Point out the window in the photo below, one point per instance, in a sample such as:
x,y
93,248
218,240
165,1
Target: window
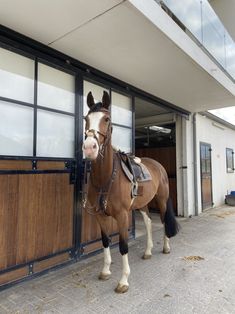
x,y
16,129
16,76
55,130
122,122
44,124
122,138
55,89
229,160
121,109
55,135
205,155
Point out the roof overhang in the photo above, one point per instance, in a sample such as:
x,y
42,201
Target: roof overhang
x,y
136,43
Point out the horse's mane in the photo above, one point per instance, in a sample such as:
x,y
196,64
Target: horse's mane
x,y
97,107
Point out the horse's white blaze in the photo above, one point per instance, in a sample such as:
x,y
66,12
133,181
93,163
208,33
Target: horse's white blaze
x,y
148,225
125,271
94,120
166,244
90,145
107,261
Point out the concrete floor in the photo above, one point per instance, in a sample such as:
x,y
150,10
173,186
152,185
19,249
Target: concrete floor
x,y
197,277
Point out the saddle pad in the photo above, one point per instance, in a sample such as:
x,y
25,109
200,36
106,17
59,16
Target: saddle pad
x,y
143,173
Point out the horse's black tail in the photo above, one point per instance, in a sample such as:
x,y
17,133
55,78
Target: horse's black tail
x,y
171,225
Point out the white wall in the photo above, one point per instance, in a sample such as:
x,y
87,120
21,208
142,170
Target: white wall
x,y
220,137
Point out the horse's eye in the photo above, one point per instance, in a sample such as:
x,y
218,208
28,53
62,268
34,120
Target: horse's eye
x,y
107,119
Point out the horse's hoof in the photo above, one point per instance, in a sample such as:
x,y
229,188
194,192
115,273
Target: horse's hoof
x,y
121,288
103,276
146,256
166,251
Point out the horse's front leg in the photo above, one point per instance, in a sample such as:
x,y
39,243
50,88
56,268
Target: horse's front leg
x,y
123,223
105,274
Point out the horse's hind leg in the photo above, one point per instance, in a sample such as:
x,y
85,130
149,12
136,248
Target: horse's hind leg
x,y
171,226
166,245
148,224
103,222
162,205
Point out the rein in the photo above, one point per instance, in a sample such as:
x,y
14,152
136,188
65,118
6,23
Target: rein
x,y
103,192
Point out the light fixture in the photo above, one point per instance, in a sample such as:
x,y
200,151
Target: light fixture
x,y
159,129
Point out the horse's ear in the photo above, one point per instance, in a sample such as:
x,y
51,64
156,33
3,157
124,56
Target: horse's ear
x,y
90,100
106,100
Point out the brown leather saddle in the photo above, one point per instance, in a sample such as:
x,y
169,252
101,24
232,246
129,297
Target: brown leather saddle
x,y
136,172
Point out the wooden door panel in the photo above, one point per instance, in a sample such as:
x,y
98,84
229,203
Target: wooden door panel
x,y
167,157
15,165
36,216
206,187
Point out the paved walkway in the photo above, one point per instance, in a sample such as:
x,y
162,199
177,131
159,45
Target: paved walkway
x,y
197,277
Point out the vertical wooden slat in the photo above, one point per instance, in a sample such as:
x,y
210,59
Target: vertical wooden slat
x,y
8,219
27,217
48,204
64,211
12,218
3,220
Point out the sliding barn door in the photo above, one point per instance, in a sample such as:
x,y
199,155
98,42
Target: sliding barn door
x,y
37,165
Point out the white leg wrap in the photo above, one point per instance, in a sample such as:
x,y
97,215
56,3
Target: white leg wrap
x,y
166,244
107,261
125,271
148,225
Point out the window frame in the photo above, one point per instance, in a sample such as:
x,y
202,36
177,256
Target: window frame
x,y
110,88
132,127
229,158
34,105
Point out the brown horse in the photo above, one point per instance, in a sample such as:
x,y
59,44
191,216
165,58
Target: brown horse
x,y
109,191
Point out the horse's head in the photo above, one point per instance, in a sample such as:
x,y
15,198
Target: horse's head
x,y
98,126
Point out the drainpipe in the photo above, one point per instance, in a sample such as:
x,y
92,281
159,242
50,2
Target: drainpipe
x,y
184,167
195,163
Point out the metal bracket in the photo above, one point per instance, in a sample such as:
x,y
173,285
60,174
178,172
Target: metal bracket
x,y
30,269
73,174
34,164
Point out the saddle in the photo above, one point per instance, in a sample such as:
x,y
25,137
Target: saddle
x,y
135,171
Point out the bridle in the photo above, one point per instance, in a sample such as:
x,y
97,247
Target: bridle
x,y
103,192
107,136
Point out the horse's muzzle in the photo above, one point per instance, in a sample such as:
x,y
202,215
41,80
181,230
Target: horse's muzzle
x,y
90,148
